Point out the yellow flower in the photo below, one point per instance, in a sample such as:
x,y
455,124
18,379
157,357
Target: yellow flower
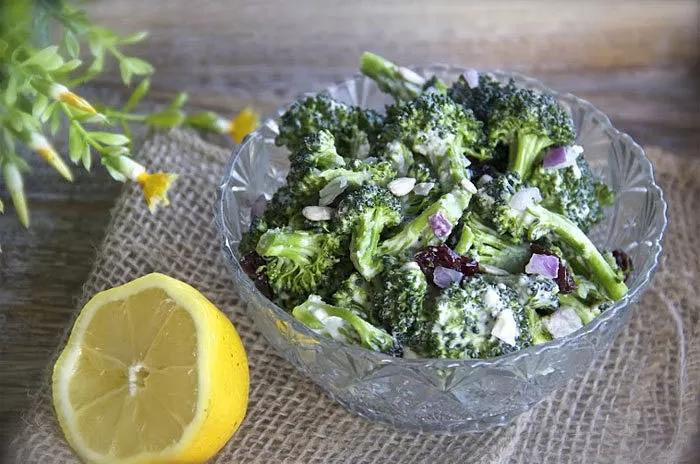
x,y
155,186
241,125
62,94
39,144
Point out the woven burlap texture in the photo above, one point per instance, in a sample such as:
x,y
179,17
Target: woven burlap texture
x,y
637,404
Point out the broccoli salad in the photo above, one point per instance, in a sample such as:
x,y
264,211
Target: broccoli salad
x,y
451,226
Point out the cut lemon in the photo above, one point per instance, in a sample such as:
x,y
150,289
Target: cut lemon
x,y
152,373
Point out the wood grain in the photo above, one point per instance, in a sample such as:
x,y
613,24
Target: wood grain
x,y
636,60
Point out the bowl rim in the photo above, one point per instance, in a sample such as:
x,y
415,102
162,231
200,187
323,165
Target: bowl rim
x,y
231,254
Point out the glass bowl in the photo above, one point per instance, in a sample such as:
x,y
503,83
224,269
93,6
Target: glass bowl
x,y
449,395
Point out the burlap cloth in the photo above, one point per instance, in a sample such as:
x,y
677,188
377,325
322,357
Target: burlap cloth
x,y
638,404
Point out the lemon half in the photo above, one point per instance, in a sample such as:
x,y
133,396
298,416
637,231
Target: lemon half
x,y
152,372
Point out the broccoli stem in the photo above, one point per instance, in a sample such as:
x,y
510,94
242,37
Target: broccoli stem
x,y
299,247
365,241
466,239
524,153
492,249
314,312
570,234
538,331
401,83
584,312
418,232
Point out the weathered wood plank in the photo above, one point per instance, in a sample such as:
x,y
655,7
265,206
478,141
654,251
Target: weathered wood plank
x,y
632,59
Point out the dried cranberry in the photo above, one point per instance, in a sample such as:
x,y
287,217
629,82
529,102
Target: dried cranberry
x,y
564,279
624,262
433,256
250,264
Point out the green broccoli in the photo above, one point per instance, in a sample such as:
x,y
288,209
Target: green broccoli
x,y
365,213
574,192
399,82
298,263
278,213
528,122
488,247
436,127
516,211
398,300
537,328
479,319
419,232
353,128
343,325
354,294
480,99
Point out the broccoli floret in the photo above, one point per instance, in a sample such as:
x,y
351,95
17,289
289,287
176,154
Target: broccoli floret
x,y
398,301
353,128
298,263
488,247
574,192
418,232
318,175
436,127
399,82
536,292
427,189
365,213
479,99
528,122
354,294
400,157
464,320
279,212
343,325
523,216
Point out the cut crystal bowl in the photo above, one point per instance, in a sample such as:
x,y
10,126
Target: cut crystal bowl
x,y
450,395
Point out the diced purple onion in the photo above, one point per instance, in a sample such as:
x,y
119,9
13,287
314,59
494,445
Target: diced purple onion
x,y
545,265
472,77
440,225
257,209
555,157
444,277
562,157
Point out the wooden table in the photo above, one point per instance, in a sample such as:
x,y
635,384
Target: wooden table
x,y
637,61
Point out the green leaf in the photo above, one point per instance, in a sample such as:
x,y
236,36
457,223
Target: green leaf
x,y
40,104
109,138
75,144
2,208
138,66
115,151
96,66
178,101
139,92
11,90
69,66
86,156
70,42
48,58
126,129
111,163
167,118
133,38
48,112
55,122
125,71
9,141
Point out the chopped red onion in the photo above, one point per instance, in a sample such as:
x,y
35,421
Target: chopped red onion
x,y
545,265
440,225
472,77
444,277
562,157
